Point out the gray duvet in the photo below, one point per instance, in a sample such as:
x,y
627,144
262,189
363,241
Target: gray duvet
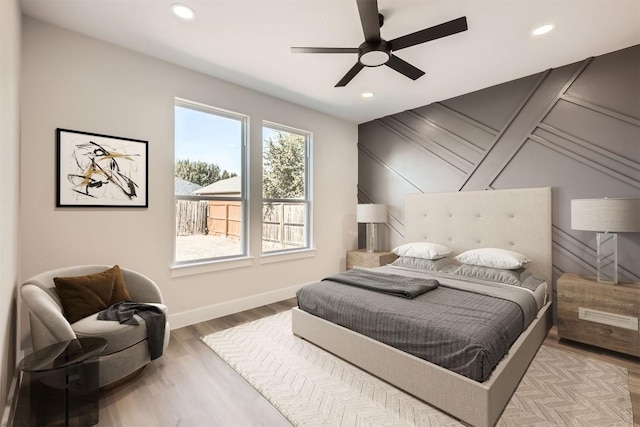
x,y
463,326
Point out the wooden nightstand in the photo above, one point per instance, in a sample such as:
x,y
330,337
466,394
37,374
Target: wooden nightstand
x,y
600,314
363,259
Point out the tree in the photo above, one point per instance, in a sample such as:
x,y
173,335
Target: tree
x,y
201,173
283,166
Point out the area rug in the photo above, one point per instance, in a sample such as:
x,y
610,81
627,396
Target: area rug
x,y
312,387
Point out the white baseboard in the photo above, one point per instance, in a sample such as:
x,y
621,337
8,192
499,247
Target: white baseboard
x,y
202,314
8,412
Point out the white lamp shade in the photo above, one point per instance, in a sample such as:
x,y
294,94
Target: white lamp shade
x,y
606,215
371,213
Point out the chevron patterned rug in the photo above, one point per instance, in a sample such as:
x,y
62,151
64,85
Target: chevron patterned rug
x,y
311,387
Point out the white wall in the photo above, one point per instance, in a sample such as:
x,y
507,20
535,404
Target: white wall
x,y
9,189
75,82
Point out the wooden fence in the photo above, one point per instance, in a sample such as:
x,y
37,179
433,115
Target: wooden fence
x,y
283,224
191,217
225,218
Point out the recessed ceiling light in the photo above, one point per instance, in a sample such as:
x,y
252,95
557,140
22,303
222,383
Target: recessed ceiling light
x,y
182,11
367,94
544,29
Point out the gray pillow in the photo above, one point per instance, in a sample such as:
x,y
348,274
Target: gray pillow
x,y
441,264
509,277
532,282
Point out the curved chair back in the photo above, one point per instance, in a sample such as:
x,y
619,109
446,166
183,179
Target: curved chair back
x,y
48,324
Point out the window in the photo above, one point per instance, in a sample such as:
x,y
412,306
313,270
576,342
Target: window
x,y
285,188
210,188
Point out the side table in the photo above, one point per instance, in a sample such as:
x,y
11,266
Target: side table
x,y
62,381
599,314
362,259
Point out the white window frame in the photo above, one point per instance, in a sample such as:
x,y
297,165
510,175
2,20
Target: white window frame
x,y
308,186
244,199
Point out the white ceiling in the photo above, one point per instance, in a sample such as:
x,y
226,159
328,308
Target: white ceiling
x,y
247,42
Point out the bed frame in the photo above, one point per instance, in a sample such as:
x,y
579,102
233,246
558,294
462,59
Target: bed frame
x,y
518,220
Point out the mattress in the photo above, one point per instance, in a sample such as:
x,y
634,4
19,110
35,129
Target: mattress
x,y
464,325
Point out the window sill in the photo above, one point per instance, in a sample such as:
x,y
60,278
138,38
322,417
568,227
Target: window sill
x,y
181,270
287,256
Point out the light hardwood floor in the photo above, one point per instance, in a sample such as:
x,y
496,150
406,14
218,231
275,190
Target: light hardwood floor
x,y
191,386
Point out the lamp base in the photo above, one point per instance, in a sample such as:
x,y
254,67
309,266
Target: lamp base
x,y
607,257
372,237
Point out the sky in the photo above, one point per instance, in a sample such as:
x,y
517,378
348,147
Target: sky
x,y
210,138
207,137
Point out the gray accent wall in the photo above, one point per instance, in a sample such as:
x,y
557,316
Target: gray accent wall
x,y
575,128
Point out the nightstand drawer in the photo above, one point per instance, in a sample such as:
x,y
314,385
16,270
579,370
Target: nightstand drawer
x,y
606,336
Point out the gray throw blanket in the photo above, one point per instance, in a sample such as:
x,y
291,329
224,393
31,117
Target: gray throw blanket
x,y
390,284
153,317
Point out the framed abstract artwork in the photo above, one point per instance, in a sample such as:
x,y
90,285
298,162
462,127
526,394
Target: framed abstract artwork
x,y
96,170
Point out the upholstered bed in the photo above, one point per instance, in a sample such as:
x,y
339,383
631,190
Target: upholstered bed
x,y
517,220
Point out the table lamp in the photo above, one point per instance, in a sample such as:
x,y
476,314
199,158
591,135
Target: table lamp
x,y
607,217
372,214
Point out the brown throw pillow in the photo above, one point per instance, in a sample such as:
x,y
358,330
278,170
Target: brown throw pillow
x,y
82,296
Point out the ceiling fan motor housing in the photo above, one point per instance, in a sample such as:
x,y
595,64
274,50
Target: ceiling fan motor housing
x,y
374,54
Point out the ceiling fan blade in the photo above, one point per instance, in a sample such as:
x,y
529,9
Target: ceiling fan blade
x,y
443,30
324,50
350,74
404,67
368,10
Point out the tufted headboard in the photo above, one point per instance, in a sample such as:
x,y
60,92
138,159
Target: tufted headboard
x,y
518,220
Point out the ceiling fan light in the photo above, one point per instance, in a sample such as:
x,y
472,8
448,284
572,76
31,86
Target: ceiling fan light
x,y
374,58
367,95
543,29
183,12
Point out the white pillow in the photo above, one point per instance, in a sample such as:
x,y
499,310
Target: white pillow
x,y
424,250
494,258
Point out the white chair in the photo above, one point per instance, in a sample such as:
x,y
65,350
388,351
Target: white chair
x,y
127,350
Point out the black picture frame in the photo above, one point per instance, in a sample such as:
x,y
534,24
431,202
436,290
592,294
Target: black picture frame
x,y
95,170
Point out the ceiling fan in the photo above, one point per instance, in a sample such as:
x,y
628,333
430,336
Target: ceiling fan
x,y
376,51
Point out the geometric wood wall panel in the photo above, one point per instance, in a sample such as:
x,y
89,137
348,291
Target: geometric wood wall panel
x,y
503,100
540,165
467,131
600,84
612,135
575,128
459,152
406,156
527,115
384,184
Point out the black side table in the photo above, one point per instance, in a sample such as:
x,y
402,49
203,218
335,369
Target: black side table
x,y
63,382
